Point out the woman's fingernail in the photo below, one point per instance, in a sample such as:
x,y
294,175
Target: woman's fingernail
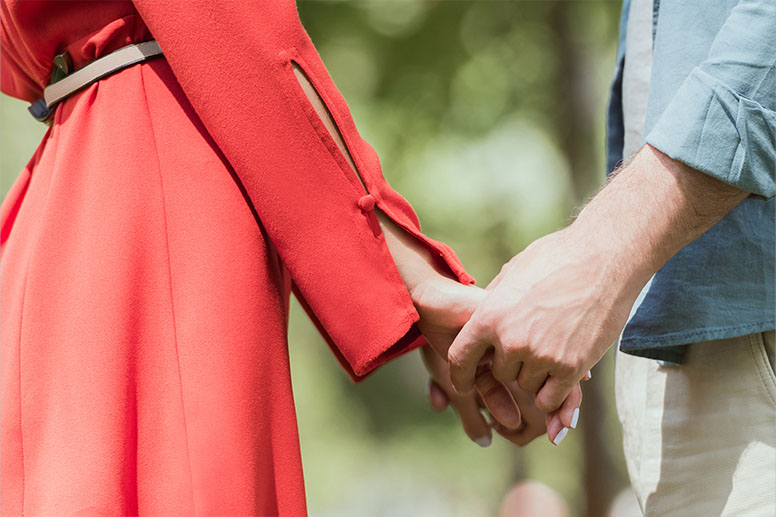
x,y
574,419
484,441
560,436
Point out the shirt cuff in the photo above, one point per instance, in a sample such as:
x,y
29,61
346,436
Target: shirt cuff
x,y
713,129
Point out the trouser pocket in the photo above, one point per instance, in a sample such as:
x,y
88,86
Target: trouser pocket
x,y
763,347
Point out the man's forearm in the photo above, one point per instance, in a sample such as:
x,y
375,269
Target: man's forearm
x,y
648,212
561,302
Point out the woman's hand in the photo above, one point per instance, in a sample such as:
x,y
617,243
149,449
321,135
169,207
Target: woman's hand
x,y
441,394
444,307
533,422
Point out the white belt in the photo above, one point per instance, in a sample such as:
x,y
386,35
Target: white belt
x,y
94,71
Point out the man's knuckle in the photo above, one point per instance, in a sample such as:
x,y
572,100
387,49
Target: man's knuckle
x,y
564,368
540,357
524,384
454,359
561,365
501,374
487,321
514,345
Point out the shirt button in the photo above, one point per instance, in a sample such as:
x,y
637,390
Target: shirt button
x,y
367,203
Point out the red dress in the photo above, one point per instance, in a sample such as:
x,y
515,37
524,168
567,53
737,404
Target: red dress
x,y
143,306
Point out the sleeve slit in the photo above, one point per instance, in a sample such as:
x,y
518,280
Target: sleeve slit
x,y
326,118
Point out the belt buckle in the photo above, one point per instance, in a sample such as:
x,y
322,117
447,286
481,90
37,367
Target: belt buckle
x,y
63,65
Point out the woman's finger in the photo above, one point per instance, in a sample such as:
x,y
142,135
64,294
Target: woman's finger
x,y
498,400
556,431
437,396
533,422
521,436
565,418
569,410
441,394
473,422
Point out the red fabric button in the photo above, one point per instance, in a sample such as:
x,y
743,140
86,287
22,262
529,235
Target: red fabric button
x,y
367,203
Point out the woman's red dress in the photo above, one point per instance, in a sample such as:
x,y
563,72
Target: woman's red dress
x,y
143,309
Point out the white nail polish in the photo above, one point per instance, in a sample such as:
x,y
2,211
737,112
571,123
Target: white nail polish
x,y
574,419
484,441
560,436
589,374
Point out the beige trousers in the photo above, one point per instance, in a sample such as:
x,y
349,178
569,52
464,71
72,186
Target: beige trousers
x,y
700,438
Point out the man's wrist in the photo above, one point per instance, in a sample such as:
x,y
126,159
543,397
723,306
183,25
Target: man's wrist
x,y
650,210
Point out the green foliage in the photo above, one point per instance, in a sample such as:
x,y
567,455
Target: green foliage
x,y
19,136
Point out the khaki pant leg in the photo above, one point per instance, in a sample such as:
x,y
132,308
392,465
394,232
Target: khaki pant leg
x,y
700,438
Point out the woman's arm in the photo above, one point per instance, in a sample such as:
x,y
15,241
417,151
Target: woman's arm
x,y
444,305
238,75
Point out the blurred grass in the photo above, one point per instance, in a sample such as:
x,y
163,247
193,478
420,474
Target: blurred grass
x,y
460,100
19,137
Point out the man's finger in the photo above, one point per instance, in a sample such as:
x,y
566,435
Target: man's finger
x,y
498,400
464,355
505,368
553,393
531,379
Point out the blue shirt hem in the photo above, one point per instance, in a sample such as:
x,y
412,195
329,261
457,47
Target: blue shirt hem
x,y
670,346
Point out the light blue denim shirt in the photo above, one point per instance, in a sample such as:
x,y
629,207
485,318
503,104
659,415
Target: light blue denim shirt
x,y
712,105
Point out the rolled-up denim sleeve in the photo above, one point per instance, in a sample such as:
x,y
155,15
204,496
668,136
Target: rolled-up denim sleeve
x,y
722,119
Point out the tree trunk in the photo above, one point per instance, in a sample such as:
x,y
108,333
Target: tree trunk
x,y
574,126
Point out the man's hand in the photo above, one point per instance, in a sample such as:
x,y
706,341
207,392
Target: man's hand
x,y
444,307
550,317
533,422
557,306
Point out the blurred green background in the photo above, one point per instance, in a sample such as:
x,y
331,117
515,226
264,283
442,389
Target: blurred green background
x,y
488,117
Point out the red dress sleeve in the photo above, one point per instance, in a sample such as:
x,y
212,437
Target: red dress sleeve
x,y
234,61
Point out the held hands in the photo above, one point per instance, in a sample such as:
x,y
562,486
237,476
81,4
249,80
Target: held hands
x,y
556,307
533,422
445,306
467,406
549,316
